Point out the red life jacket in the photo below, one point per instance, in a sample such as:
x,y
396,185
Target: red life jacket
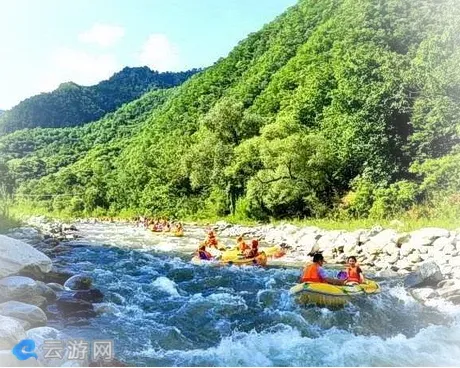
x,y
311,274
353,274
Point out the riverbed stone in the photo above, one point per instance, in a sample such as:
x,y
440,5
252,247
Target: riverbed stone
x,y
377,243
440,243
347,243
17,256
92,295
79,282
22,289
428,235
414,257
27,312
71,307
308,243
11,332
8,359
428,273
423,294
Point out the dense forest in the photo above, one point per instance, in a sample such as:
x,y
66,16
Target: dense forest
x,y
73,105
337,108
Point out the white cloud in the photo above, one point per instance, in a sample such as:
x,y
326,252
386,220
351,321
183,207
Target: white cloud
x,y
78,66
160,54
103,35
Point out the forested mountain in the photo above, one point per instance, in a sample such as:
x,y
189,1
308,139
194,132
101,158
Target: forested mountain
x,y
336,108
72,104
1,112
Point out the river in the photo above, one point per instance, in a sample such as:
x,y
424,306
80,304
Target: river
x,y
163,311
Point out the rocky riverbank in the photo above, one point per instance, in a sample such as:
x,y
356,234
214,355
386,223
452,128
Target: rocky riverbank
x,y
33,291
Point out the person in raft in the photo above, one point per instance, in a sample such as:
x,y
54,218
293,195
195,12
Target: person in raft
x,y
211,240
354,274
314,272
254,251
203,253
241,244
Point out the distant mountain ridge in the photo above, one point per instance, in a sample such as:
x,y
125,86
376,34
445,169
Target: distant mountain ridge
x,y
72,105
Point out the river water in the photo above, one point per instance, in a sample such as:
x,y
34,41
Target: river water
x,y
164,311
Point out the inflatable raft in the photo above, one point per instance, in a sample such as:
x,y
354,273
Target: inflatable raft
x,y
234,253
260,260
331,295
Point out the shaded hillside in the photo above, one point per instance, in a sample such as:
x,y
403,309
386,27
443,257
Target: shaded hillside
x,y
72,104
337,107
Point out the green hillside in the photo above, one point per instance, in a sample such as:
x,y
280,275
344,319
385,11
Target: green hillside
x,y
73,105
343,108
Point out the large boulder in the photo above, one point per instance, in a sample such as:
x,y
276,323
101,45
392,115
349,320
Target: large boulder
x,y
428,273
23,289
71,307
93,295
26,312
42,334
347,243
308,243
377,243
427,235
11,332
17,256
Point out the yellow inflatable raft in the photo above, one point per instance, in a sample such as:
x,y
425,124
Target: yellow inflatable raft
x,y
331,295
234,253
260,260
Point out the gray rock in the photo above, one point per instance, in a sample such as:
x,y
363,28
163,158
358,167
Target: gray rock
x,y
26,312
7,359
71,307
447,283
17,256
308,243
79,282
423,294
40,335
455,299
25,325
449,291
403,264
408,248
427,235
402,238
428,273
19,288
440,243
11,332
386,273
347,243
56,287
414,257
454,261
377,243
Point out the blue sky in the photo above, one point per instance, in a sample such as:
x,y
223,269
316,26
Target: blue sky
x,y
46,42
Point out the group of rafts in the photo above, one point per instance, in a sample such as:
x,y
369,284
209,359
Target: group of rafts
x,y
314,287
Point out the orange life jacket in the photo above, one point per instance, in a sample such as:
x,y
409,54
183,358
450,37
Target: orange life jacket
x,y
311,274
353,274
242,246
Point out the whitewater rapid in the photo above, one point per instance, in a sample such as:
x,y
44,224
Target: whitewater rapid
x,y
162,311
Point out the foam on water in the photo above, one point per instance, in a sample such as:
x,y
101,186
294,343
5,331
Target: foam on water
x,y
165,284
432,346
